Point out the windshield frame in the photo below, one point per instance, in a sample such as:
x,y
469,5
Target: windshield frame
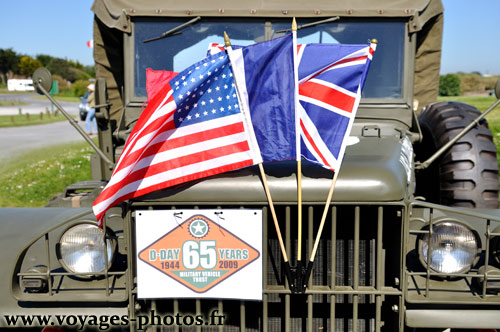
x,y
407,69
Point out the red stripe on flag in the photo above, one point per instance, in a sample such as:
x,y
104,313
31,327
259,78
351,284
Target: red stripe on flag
x,y
327,95
175,163
153,105
314,146
176,181
140,130
299,47
173,143
131,157
340,62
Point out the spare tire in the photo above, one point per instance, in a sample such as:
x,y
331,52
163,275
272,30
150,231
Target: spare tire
x,y
467,174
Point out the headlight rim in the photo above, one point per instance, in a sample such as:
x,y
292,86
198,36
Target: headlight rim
x,y
495,247
110,236
438,221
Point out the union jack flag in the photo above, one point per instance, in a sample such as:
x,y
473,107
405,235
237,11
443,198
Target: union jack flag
x,y
331,77
214,48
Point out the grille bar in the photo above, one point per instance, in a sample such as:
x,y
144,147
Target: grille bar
x,y
380,269
333,279
487,257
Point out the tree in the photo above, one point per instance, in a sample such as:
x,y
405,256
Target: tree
x,y
9,61
61,67
449,85
44,59
28,65
90,70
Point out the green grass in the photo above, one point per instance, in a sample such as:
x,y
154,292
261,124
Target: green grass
x,y
5,91
12,103
70,99
62,97
479,102
32,119
33,179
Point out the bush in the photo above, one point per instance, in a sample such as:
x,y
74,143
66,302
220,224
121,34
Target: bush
x,y
80,87
28,65
490,82
449,85
471,83
63,84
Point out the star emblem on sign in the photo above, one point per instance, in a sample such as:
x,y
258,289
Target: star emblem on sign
x,y
198,228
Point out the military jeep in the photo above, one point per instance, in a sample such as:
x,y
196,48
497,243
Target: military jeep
x,y
407,244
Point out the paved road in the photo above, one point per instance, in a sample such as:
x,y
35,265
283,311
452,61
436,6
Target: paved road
x,y
34,105
16,141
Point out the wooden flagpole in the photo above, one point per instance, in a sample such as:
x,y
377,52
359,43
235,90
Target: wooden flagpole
x,y
299,166
227,43
320,229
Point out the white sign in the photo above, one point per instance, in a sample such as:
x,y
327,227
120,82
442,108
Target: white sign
x,y
199,254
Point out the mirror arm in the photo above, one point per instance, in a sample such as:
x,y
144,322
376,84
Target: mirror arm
x,y
464,131
75,125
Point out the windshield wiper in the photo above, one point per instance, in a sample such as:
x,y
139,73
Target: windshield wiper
x,y
331,19
174,31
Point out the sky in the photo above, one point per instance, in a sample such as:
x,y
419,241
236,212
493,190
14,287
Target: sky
x,y
61,28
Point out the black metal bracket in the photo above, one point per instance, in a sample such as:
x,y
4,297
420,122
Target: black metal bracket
x,y
298,276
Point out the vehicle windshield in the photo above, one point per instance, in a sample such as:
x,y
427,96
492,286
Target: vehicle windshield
x,y
177,52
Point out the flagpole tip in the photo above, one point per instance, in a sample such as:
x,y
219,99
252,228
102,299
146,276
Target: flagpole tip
x,y
227,41
294,25
374,41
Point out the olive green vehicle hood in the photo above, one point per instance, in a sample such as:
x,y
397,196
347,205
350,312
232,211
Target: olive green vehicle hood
x,y
374,170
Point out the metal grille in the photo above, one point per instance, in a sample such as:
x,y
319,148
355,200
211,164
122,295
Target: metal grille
x,y
351,287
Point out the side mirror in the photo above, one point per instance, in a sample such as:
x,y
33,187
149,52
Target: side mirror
x,y
42,78
497,89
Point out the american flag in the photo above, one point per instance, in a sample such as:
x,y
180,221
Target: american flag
x,y
331,77
192,128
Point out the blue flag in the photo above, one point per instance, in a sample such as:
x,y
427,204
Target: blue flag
x,y
268,90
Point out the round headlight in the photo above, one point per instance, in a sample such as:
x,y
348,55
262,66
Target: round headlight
x,y
81,249
453,248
